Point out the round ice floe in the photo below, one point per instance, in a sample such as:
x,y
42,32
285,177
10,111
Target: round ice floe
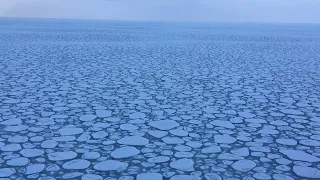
x,y
185,177
146,150
292,111
46,122
167,152
48,144
210,110
149,176
297,126
236,120
243,165
91,155
112,119
255,121
179,132
76,164
315,119
84,137
262,176
225,124
61,156
128,127
64,138
268,131
158,134
16,128
238,101
254,125
46,178
11,122
279,123
212,176
233,112
133,140
125,152
158,159
6,172
183,164
20,161
194,122
224,139
241,151
182,148
72,175
282,177
260,148
88,117
283,168
228,156
283,161
194,144
11,147
137,115
186,117
46,114
99,135
211,149
37,138
103,113
11,101
77,105
35,168
137,121
194,135
69,131
59,109
288,142
299,155
246,114
307,172
101,125
59,116
18,139
10,156
109,142
315,137
36,129
310,142
172,140
277,114
111,165
31,152
52,167
226,131
257,154
183,154
164,124
91,177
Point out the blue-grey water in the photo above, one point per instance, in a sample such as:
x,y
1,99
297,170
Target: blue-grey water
x,y
93,100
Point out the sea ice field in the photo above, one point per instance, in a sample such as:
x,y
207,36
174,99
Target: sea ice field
x,y
117,100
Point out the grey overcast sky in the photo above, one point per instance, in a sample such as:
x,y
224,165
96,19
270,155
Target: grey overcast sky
x,y
291,11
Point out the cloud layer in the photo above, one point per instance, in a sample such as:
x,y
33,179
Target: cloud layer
x,y
168,10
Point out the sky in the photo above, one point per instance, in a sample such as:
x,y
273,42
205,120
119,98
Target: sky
x,y
288,11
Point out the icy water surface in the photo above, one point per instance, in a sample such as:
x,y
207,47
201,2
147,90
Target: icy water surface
x,y
97,100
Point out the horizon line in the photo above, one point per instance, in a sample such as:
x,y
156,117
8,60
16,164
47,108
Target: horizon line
x,y
161,21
